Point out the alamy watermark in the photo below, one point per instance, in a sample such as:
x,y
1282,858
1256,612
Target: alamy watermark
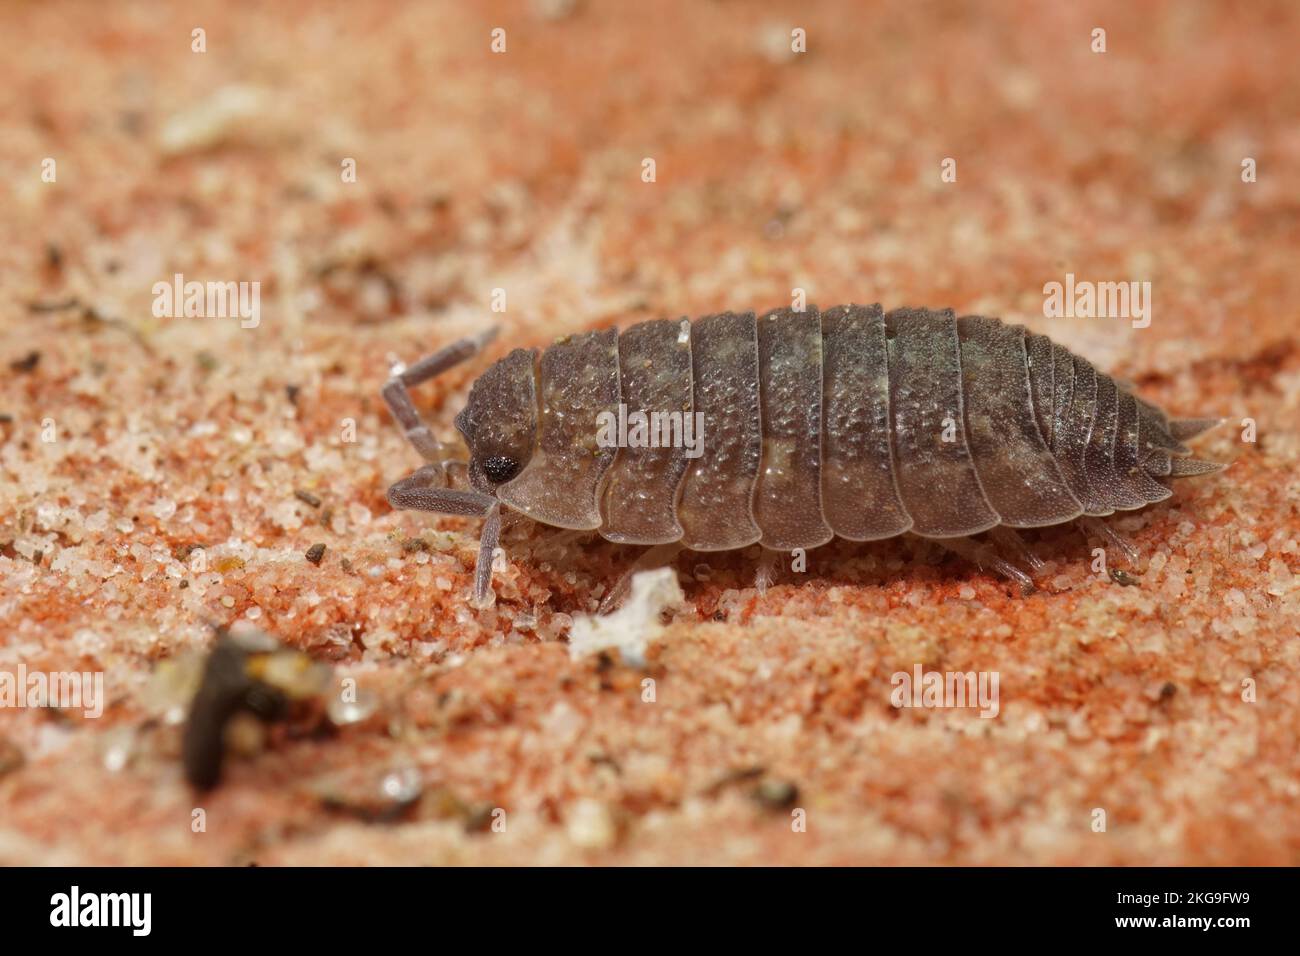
x,y
66,690
213,300
133,911
651,430
945,689
1098,300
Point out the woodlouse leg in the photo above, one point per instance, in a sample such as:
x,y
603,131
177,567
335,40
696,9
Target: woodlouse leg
x,y
556,542
1100,529
398,396
511,520
1007,539
416,492
984,557
487,546
769,562
654,557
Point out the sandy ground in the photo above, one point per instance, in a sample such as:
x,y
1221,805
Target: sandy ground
x,y
129,440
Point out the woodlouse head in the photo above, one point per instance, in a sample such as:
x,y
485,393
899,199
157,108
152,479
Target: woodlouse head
x,y
499,421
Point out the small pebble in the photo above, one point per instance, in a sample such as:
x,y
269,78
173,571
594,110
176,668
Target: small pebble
x,y
315,553
306,497
776,794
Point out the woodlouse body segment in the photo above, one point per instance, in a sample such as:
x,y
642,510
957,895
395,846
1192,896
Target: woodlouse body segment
x,y
1063,386
716,504
1108,485
579,381
1041,365
1018,475
848,422
788,498
640,496
859,489
936,474
1078,428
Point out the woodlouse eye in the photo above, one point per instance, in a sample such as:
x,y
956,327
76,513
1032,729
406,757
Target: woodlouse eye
x,y
500,468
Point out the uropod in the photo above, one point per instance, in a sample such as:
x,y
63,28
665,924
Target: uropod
x,y
803,425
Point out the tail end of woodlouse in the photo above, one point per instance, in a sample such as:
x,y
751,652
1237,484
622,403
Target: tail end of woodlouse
x,y
1162,465
1185,428
1191,467
1166,462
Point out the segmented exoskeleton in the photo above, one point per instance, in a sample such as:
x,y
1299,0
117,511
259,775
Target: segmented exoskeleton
x,y
849,422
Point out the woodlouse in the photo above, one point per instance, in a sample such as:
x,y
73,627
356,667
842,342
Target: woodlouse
x,y
850,421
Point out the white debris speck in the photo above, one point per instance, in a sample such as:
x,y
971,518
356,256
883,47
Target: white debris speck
x,y
402,786
634,625
590,824
225,116
118,749
773,43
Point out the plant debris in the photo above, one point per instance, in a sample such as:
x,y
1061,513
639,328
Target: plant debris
x,y
248,674
1120,576
27,363
11,757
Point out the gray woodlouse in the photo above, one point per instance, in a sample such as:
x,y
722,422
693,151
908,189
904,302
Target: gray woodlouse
x,y
849,422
